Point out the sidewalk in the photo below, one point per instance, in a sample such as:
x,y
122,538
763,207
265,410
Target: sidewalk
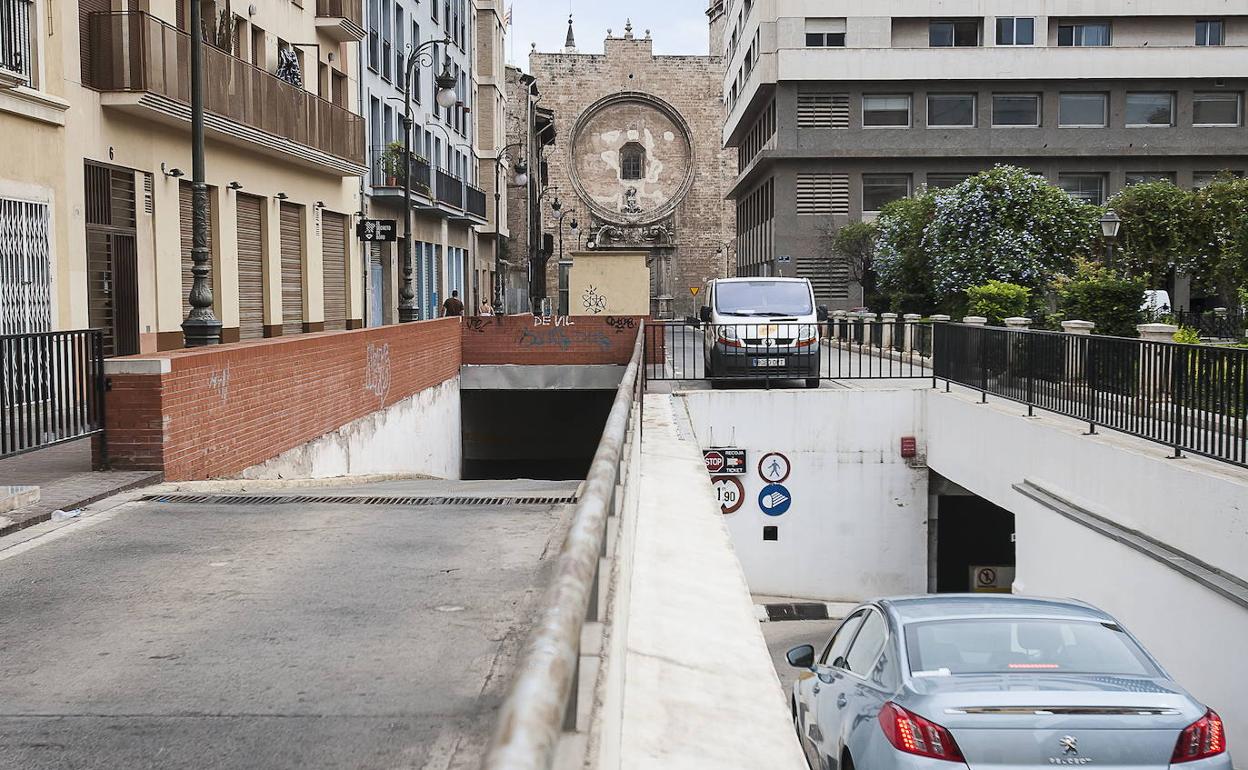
x,y
65,480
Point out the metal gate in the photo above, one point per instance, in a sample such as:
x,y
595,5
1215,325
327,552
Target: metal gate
x,y
25,268
112,258
51,388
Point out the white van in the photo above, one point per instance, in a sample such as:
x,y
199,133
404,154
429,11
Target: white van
x,y
762,327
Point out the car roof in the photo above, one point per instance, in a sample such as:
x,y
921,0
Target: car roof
x,y
910,609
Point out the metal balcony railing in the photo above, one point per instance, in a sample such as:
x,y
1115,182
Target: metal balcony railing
x,y
15,38
475,201
351,10
134,51
386,170
450,189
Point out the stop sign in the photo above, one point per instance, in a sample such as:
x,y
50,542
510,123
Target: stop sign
x,y
714,461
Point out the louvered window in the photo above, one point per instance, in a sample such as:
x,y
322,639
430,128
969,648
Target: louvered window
x,y
822,194
828,277
822,111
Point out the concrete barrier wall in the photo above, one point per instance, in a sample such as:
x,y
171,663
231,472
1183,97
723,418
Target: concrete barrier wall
x,y
1193,505
857,525
214,412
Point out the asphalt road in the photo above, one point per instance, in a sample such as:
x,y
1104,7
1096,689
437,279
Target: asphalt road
x,y
269,636
782,636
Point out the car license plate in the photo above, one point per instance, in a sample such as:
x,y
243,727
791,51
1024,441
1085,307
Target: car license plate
x,y
769,362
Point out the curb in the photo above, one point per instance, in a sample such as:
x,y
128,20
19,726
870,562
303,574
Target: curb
x,y
40,518
774,613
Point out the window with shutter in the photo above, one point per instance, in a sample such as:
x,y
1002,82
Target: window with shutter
x,y
334,268
250,268
292,268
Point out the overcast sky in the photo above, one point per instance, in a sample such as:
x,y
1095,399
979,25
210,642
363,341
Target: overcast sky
x,y
677,26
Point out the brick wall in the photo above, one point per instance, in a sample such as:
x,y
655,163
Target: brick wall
x,y
213,412
525,340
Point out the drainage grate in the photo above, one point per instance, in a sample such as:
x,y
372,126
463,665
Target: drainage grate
x,y
338,500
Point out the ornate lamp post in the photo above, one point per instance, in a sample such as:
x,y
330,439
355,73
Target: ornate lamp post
x,y
1110,223
446,83
521,179
201,327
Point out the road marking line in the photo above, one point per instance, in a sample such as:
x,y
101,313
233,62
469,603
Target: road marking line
x,y
55,531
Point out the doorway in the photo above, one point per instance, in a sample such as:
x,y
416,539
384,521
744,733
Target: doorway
x,y
971,545
112,258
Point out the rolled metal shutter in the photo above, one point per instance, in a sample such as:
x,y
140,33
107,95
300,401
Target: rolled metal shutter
x,y
292,268
250,268
334,269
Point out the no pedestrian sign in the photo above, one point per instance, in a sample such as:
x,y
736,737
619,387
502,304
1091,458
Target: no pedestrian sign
x,y
726,461
774,467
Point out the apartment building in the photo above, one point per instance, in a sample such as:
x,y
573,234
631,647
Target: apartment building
x,y
284,149
446,201
838,107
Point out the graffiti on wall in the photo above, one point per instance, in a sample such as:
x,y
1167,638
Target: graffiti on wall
x,y
219,382
377,370
593,300
562,339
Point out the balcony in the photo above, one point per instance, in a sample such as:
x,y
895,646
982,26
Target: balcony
x,y
143,66
343,20
434,191
15,38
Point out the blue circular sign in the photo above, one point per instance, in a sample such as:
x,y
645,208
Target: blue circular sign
x,y
774,500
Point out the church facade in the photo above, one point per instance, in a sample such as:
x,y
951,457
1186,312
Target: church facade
x,y
638,166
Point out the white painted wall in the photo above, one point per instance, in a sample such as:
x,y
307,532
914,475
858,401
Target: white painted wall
x,y
1196,506
419,436
857,526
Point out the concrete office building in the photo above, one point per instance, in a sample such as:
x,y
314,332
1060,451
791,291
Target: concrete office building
x,y
837,107
447,202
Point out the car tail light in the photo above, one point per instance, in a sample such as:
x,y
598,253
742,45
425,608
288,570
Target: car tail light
x,y
1203,738
913,734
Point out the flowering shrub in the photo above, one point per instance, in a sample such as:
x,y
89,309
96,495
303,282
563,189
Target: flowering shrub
x,y
902,266
1006,224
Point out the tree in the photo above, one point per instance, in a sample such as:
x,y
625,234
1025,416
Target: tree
x,y
902,265
1222,208
852,250
1160,230
1006,224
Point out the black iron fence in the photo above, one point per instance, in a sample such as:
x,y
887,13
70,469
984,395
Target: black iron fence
x,y
15,37
51,388
1192,398
786,351
1213,324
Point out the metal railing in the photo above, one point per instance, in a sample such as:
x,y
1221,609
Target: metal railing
x,y
15,37
542,702
1222,324
450,189
475,200
786,350
51,388
351,10
382,162
1191,398
134,51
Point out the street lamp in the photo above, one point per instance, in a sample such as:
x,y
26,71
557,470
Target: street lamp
x,y
201,327
520,179
446,98
1110,224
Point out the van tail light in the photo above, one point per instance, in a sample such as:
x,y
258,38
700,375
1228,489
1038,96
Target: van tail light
x,y
1203,738
913,734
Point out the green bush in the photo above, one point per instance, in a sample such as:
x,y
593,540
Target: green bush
x,y
997,301
902,265
1096,294
1187,335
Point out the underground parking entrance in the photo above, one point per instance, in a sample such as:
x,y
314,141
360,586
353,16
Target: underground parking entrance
x,y
970,541
544,434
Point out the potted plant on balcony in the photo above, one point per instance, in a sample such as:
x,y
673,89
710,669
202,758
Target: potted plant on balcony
x,y
392,165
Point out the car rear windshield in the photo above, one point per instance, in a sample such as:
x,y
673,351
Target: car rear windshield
x,y
768,299
1023,646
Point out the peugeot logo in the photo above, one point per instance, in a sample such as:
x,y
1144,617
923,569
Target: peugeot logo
x,y
1070,744
1070,752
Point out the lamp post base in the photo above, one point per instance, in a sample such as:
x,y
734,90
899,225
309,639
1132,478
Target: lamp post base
x,y
201,332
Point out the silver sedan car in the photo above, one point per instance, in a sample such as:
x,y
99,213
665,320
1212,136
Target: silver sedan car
x,y
983,681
